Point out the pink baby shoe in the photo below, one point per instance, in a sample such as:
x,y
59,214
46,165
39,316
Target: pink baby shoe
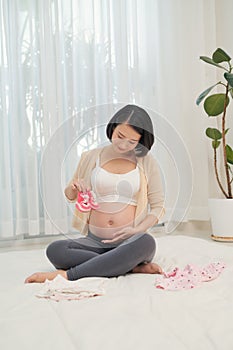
x,y
86,201
92,200
82,203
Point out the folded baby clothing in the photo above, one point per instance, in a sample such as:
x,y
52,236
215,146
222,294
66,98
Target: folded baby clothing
x,y
62,289
189,277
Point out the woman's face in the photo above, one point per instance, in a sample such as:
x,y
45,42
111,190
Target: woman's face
x,y
125,138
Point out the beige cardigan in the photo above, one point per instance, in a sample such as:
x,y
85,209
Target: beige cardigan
x,y
151,189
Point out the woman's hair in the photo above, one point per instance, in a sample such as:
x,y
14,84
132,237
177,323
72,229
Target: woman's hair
x,y
140,121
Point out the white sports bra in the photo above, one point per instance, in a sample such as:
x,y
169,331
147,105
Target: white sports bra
x,y
110,187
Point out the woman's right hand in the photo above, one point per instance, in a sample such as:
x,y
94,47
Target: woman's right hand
x,y
79,186
76,186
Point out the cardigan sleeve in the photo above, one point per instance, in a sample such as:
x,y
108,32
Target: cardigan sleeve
x,y
155,192
77,175
83,171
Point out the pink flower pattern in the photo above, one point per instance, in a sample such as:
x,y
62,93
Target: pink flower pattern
x,y
86,201
189,277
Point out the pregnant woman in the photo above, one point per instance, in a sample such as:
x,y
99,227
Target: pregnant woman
x,y
126,181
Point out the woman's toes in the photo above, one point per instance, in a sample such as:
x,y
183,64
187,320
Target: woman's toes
x,y
151,268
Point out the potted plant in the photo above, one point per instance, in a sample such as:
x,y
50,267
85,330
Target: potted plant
x,y
217,105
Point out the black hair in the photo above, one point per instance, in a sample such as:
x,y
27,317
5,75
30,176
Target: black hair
x,y
140,121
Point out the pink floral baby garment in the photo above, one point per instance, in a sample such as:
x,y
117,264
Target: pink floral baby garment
x,y
189,277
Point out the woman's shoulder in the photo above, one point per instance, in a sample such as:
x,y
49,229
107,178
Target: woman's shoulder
x,y
148,159
149,164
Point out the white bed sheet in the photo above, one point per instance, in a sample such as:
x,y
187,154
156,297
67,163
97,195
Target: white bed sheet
x,y
132,315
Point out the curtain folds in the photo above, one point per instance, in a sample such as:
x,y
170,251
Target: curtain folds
x,y
66,66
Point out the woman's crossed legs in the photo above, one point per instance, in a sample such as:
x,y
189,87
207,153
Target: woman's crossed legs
x,y
89,257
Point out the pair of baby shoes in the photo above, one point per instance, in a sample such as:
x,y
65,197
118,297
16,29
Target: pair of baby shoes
x,y
86,201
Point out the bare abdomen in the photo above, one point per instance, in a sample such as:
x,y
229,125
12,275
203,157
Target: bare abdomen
x,y
111,217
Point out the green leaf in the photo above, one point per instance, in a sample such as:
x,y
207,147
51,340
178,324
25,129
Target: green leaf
x,y
226,131
229,78
214,104
204,94
231,92
215,144
220,56
210,61
213,133
229,152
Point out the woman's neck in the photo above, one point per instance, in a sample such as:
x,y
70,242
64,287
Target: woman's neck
x,y
110,153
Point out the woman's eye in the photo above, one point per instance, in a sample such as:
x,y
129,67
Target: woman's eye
x,y
123,137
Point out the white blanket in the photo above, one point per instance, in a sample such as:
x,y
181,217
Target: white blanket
x,y
132,315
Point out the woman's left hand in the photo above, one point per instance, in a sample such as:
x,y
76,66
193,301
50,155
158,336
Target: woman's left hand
x,y
120,235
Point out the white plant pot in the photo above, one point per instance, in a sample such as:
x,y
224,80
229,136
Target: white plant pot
x,y
221,216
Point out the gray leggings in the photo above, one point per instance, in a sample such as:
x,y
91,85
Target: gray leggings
x,y
89,257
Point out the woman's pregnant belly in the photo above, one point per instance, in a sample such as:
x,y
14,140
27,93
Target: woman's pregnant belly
x,y
111,217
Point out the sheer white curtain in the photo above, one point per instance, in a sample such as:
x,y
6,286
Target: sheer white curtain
x,y
67,65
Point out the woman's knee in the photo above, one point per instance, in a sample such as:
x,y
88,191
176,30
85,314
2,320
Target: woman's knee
x,y
143,242
141,246
55,251
149,243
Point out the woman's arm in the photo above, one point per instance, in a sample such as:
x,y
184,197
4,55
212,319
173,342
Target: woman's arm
x,y
71,191
149,221
126,232
77,183
155,191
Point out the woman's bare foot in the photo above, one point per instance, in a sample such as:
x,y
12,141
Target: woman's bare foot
x,y
148,268
40,277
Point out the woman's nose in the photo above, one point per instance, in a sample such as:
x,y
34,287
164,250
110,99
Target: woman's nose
x,y
124,144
